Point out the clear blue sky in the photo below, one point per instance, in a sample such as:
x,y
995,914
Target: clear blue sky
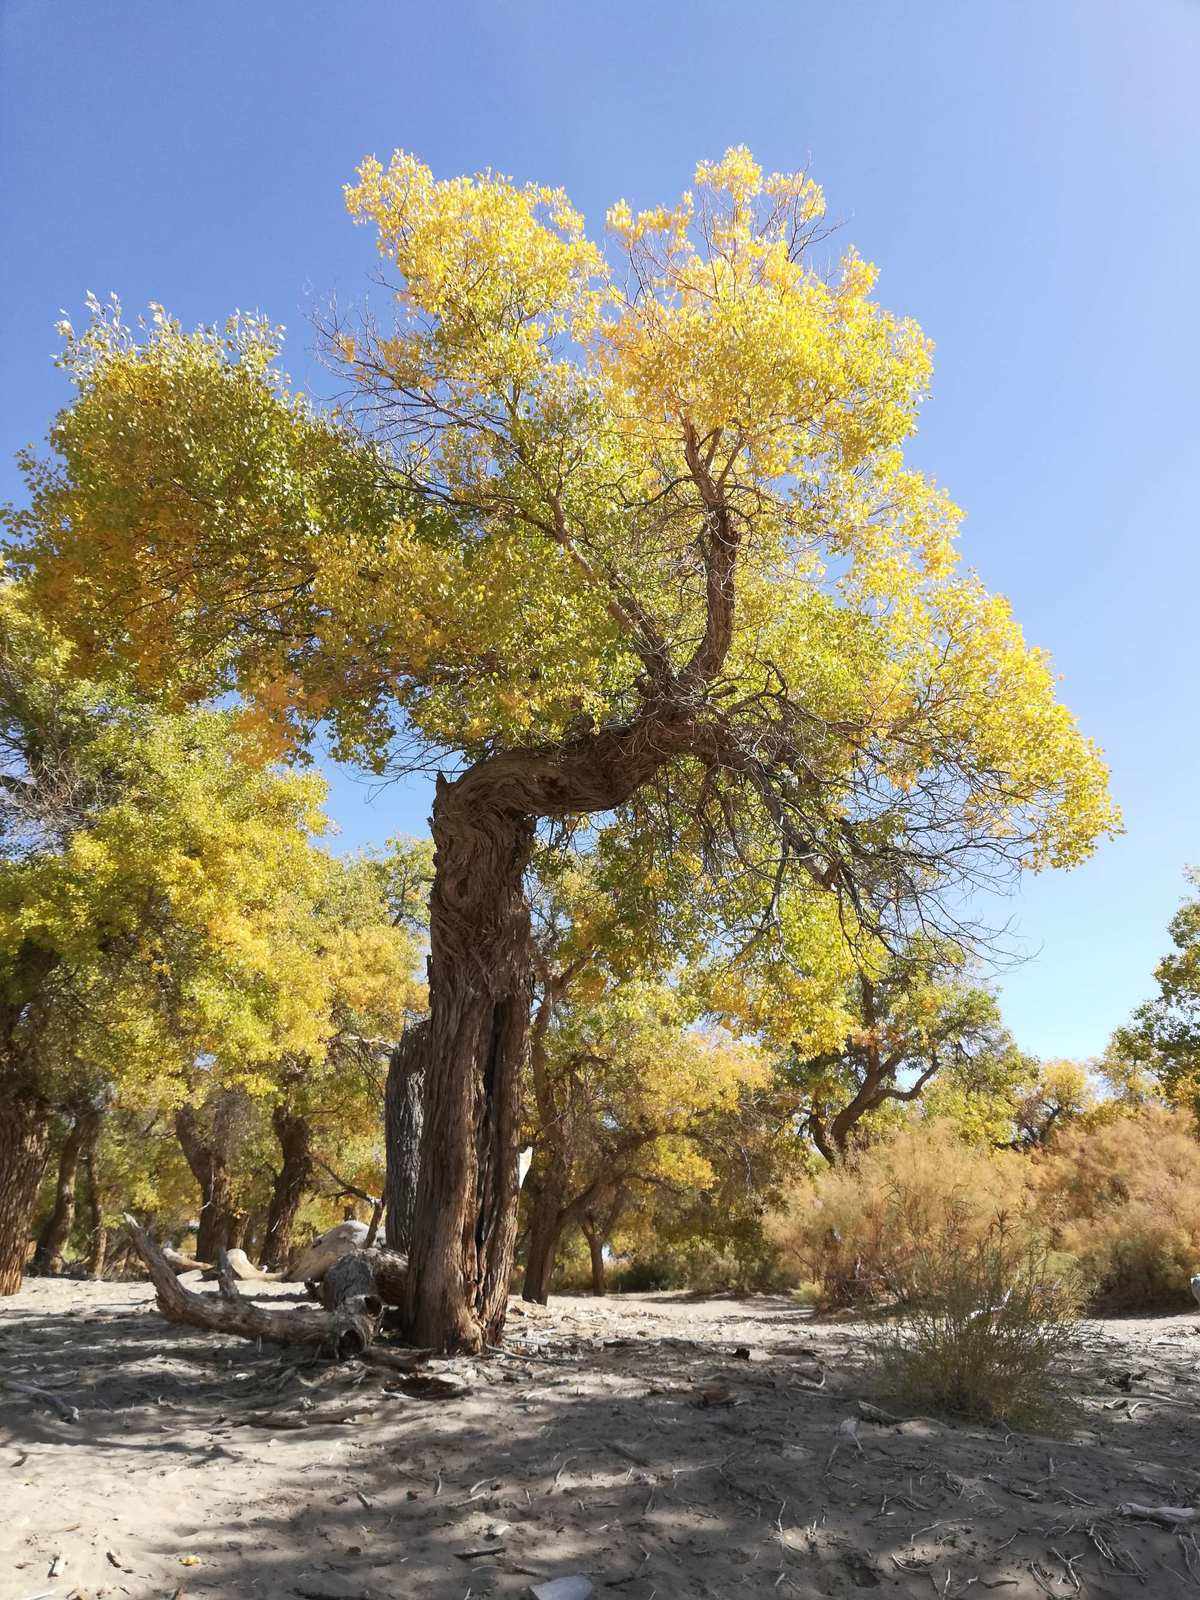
x,y
1027,175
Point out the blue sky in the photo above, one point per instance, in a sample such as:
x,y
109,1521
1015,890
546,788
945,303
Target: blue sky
x,y
1027,176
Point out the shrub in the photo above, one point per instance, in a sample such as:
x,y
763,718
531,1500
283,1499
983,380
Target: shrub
x,y
1122,1197
861,1228
705,1266
987,1331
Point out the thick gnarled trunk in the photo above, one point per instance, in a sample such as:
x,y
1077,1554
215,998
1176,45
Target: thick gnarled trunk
x,y
294,1134
470,1052
24,1147
404,1118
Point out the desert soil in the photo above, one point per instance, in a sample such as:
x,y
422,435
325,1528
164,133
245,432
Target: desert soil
x,y
624,1440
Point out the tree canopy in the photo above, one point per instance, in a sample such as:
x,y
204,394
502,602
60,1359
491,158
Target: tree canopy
x,y
602,529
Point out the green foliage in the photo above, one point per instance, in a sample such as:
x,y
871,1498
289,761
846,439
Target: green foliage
x,y
1162,1041
147,868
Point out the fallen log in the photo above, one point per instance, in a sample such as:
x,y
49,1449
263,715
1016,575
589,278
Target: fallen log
x,y
311,1265
345,1332
377,1273
181,1263
244,1269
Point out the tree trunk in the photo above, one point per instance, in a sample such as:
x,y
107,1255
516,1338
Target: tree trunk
x,y
97,1232
293,1178
403,1118
471,1050
219,1217
24,1145
595,1242
56,1229
546,1222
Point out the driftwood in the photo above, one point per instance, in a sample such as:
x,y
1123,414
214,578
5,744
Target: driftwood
x,y
355,1292
311,1265
181,1263
376,1273
243,1269
344,1332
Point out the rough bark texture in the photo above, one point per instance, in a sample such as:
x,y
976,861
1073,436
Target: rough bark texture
x,y
293,1178
404,1117
56,1230
24,1146
220,1221
471,1051
480,979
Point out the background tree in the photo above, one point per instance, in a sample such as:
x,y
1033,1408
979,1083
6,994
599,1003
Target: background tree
x,y
621,1086
914,1019
139,851
367,928
605,533
1162,1040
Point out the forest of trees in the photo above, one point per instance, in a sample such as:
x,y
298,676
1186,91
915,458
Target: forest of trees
x,y
618,540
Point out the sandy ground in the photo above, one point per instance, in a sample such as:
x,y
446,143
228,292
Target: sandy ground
x,y
626,1442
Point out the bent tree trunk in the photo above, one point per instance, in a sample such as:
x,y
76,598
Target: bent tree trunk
x,y
481,991
403,1118
293,1178
219,1217
24,1146
470,1051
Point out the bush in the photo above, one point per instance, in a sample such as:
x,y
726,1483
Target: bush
x,y
705,1266
1122,1197
986,1334
862,1229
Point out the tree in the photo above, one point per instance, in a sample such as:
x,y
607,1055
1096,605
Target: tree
x,y
139,851
1162,1039
78,1142
622,1087
366,927
914,1020
594,532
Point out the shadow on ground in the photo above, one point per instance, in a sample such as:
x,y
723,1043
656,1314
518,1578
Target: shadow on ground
x,y
623,1441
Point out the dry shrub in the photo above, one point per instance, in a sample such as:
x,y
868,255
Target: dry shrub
x,y
1123,1199
987,1332
862,1229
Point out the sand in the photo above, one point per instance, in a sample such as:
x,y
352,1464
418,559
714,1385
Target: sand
x,y
629,1445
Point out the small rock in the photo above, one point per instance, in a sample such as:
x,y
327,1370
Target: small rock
x,y
576,1587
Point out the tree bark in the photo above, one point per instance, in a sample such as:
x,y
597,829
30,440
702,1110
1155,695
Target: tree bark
x,y
403,1120
595,1243
97,1231
24,1146
546,1222
480,980
56,1230
219,1217
293,1178
471,1050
